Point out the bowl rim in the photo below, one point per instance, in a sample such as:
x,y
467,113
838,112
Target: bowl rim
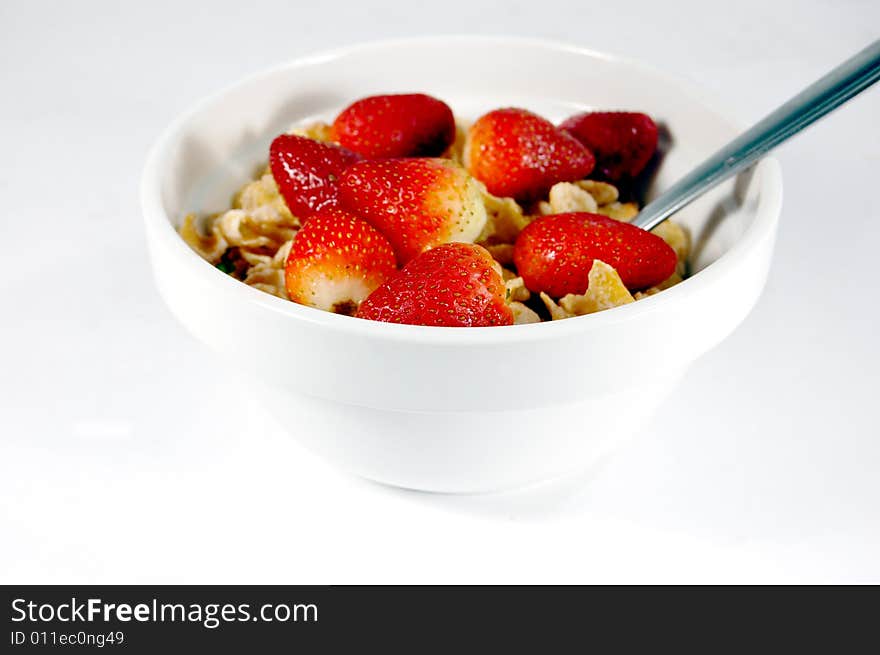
x,y
162,226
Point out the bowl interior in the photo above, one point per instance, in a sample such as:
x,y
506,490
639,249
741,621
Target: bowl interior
x,y
213,150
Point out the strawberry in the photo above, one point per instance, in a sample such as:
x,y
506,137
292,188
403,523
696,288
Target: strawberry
x,y
406,125
623,142
416,203
452,285
519,154
554,254
336,260
306,172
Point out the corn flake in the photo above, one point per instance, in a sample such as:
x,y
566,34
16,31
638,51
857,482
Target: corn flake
x,y
211,246
505,220
602,192
557,313
619,211
567,197
523,315
263,202
455,151
516,289
319,131
606,290
677,237
671,281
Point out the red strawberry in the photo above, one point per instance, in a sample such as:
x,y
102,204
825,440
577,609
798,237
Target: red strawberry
x,y
306,172
517,153
623,142
335,261
554,253
407,125
416,203
453,285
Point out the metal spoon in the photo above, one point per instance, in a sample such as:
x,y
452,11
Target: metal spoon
x,y
847,80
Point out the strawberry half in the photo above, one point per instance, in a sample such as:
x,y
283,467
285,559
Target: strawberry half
x,y
453,285
336,260
623,142
554,254
404,125
307,171
416,203
519,154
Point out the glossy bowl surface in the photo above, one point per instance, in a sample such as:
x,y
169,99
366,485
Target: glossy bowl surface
x,y
447,409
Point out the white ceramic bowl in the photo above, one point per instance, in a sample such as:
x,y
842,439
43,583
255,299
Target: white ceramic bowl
x,y
445,409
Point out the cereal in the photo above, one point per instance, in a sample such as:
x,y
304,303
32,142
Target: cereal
x,y
319,131
251,240
606,290
268,279
210,246
671,281
281,256
261,200
523,315
267,273
242,229
557,313
568,197
255,258
619,211
502,252
505,220
455,151
602,192
516,289
586,196
678,239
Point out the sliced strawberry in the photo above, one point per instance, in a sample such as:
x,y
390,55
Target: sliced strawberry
x,y
405,125
519,154
336,260
417,203
307,171
453,285
623,142
554,254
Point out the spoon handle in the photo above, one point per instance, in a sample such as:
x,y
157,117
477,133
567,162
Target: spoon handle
x,y
847,80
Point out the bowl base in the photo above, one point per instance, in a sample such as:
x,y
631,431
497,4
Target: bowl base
x,y
465,452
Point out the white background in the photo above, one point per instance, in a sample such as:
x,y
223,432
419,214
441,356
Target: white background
x,y
129,454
